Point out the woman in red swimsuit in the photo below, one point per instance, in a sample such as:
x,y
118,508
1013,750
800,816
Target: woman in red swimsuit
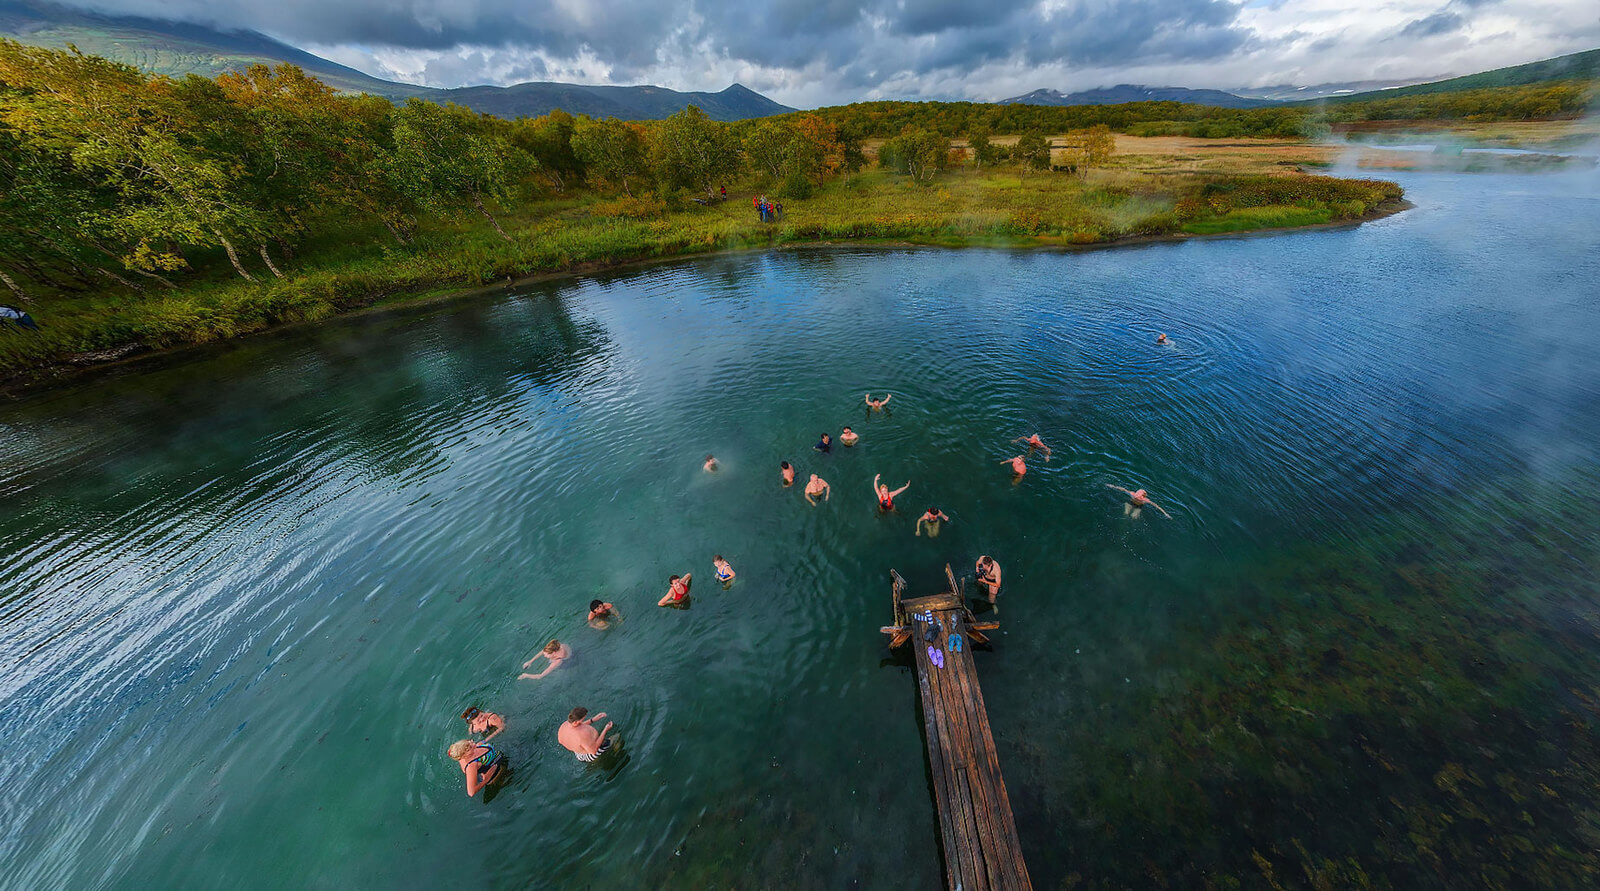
x,y
886,497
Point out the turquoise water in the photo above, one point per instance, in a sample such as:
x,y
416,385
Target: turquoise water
x,y
247,591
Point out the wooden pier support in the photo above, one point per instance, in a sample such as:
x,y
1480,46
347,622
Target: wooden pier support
x,y
975,822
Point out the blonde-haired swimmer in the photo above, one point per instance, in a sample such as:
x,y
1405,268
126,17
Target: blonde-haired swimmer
x,y
479,761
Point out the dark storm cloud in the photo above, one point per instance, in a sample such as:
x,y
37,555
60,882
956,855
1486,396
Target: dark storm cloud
x,y
859,42
1442,22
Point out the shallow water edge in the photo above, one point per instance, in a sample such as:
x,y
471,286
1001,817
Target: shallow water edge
x,y
80,368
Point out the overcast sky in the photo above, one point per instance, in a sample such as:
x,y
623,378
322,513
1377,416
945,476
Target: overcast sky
x,y
820,52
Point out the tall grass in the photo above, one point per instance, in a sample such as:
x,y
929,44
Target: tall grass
x,y
359,267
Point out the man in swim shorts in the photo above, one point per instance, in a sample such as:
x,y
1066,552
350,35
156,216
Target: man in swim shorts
x,y
578,736
818,486
677,590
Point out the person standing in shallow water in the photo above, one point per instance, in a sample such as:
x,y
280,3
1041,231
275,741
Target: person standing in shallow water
x,y
602,614
724,570
849,437
817,486
677,590
878,404
824,444
786,471
886,497
578,736
934,518
1137,502
988,572
479,722
479,761
710,465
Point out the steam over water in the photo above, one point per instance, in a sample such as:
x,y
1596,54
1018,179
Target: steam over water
x,y
245,594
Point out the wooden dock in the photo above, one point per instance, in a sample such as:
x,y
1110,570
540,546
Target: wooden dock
x,y
975,823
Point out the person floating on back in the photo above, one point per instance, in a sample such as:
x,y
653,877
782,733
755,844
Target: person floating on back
x,y
677,590
555,651
934,518
724,570
886,497
479,722
1137,502
479,761
848,437
786,471
1034,442
602,614
578,736
817,486
878,404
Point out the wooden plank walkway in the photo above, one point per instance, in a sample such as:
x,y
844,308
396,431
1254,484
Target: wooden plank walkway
x,y
979,833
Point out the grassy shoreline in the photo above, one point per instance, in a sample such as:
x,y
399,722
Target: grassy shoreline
x,y
583,233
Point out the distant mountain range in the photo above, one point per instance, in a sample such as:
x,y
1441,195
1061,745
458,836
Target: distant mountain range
x,y
1136,93
176,49
1577,66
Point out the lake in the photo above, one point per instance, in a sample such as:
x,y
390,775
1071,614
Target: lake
x,y
247,590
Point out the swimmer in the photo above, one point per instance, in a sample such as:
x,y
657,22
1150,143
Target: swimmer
x,y
878,404
849,437
677,590
1161,339
933,518
601,614
818,486
724,569
1137,502
886,497
711,464
1018,466
479,721
1034,442
479,761
578,736
786,471
825,444
988,576
555,651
